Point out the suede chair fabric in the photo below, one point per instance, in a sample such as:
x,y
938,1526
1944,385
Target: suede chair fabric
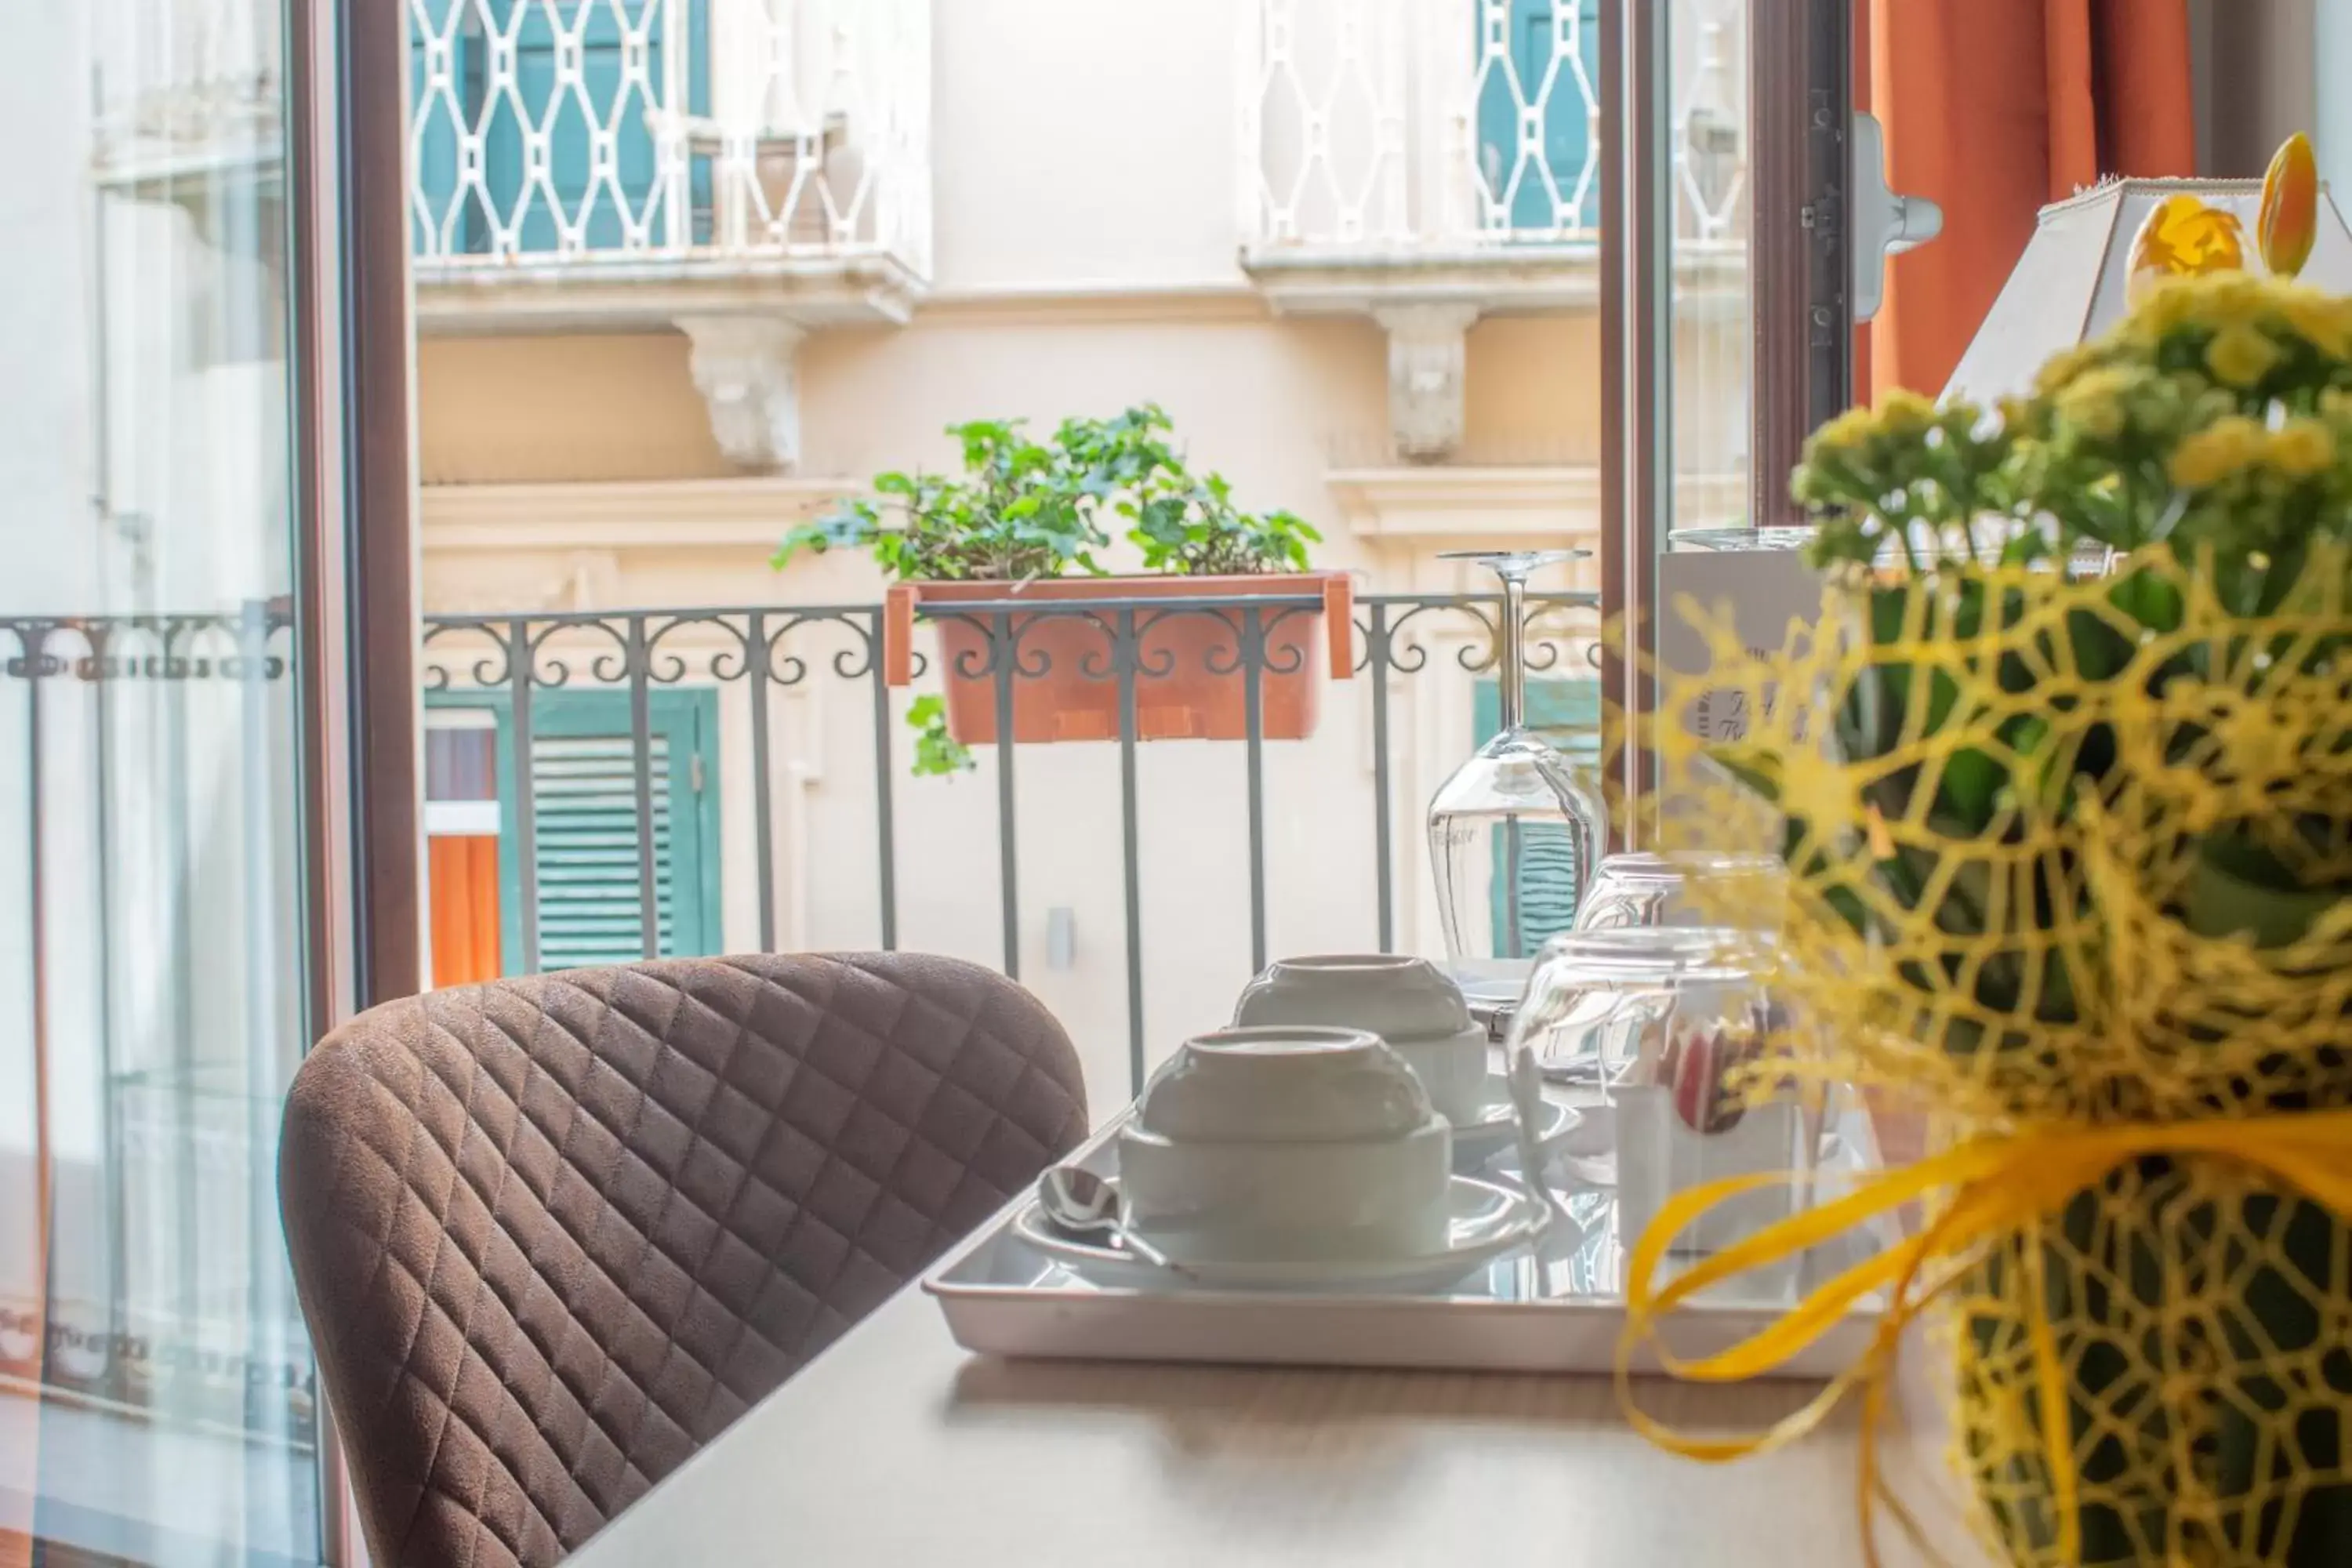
x,y
551,1235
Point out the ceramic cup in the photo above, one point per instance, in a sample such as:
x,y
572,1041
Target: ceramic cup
x,y
1408,1002
1286,1143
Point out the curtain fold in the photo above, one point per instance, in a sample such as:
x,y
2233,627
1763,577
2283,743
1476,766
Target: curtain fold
x,y
1993,109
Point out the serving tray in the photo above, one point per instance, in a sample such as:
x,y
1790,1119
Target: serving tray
x,y
1555,1308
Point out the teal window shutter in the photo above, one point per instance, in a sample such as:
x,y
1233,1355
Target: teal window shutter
x,y
585,830
1567,714
434,124
603,28
1565,127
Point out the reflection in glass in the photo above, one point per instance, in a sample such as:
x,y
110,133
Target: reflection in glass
x,y
1711,306
156,1396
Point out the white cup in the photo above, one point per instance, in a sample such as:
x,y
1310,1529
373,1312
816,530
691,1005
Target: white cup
x,y
1284,1144
1408,1002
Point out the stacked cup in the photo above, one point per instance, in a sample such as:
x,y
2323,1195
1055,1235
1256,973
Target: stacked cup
x,y
1284,1143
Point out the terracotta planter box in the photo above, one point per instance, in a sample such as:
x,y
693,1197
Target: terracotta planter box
x,y
1191,685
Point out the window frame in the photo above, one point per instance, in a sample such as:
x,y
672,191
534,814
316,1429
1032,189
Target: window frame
x,y
1800,106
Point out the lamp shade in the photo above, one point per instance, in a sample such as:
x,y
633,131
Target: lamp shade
x,y
2069,284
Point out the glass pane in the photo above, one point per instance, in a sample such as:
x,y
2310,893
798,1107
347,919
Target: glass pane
x,y
156,1391
1710,307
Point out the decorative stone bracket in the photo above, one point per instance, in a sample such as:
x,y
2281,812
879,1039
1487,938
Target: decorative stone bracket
x,y
1426,359
745,367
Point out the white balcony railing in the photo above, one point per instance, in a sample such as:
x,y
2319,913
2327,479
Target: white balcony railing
x,y
1418,126
581,133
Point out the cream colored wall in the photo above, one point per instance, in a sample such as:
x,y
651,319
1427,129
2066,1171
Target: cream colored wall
x,y
1086,246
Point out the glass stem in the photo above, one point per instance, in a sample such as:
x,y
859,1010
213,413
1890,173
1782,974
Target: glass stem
x,y
1510,656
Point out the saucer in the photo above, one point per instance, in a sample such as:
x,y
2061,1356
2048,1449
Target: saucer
x,y
1496,1127
1486,1222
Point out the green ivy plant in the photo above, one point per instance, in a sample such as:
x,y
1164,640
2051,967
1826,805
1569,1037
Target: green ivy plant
x,y
1024,508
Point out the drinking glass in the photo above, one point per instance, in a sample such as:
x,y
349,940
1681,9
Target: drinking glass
x,y
1514,833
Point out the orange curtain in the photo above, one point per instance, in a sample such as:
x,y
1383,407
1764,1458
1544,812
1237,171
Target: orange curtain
x,y
463,871
1994,109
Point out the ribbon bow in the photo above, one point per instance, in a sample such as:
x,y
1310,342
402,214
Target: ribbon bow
x,y
2002,1184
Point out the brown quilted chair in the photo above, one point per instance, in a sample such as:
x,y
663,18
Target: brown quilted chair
x,y
552,1235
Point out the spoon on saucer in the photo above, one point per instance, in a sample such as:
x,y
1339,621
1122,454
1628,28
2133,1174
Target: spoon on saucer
x,y
1080,1202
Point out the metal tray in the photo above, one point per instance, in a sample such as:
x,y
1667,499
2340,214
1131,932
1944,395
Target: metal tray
x,y
1557,1309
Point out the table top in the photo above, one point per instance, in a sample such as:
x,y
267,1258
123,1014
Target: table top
x,y
895,1446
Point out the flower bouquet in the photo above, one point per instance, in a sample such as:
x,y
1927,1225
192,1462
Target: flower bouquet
x,y
2065,775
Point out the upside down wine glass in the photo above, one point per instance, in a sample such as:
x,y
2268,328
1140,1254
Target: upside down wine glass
x,y
1514,833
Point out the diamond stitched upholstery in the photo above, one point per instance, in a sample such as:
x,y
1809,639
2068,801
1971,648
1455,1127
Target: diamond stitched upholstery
x,y
554,1234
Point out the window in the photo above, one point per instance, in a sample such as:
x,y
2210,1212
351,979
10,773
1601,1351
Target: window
x,y
1539,61
492,76
578,897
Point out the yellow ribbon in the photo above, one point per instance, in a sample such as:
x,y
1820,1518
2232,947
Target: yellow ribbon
x,y
2002,1184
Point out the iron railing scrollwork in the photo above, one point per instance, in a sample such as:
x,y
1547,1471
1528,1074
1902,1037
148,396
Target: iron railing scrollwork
x,y
762,651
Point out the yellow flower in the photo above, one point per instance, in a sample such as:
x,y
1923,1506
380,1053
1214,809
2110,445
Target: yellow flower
x,y
2321,320
1846,431
2093,402
2290,212
2302,448
2222,449
1903,412
2241,356
2064,367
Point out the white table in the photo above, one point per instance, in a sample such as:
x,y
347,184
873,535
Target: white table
x,y
896,1448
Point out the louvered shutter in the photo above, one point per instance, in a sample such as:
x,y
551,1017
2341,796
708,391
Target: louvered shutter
x,y
591,898
583,864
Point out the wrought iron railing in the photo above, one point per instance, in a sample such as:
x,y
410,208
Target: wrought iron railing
x,y
652,131
756,656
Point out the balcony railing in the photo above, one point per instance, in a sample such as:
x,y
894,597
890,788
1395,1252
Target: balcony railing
x,y
1445,126
717,133
705,778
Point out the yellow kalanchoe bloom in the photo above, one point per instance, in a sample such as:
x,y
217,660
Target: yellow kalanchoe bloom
x,y
2227,446
2290,213
2093,402
2321,320
2241,356
1847,430
2302,448
1903,412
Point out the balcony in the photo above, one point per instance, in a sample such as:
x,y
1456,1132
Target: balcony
x,y
608,785
1429,162
742,171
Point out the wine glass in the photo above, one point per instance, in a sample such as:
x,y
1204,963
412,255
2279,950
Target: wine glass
x,y
1514,833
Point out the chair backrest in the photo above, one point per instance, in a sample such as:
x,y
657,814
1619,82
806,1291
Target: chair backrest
x,y
551,1235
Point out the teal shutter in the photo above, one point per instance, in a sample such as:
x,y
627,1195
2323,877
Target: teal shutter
x,y
585,829
434,125
1566,129
1567,714
610,100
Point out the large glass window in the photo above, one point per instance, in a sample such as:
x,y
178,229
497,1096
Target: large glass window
x,y
157,1400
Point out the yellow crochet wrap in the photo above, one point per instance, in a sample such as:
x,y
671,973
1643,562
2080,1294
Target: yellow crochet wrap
x,y
2018,905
